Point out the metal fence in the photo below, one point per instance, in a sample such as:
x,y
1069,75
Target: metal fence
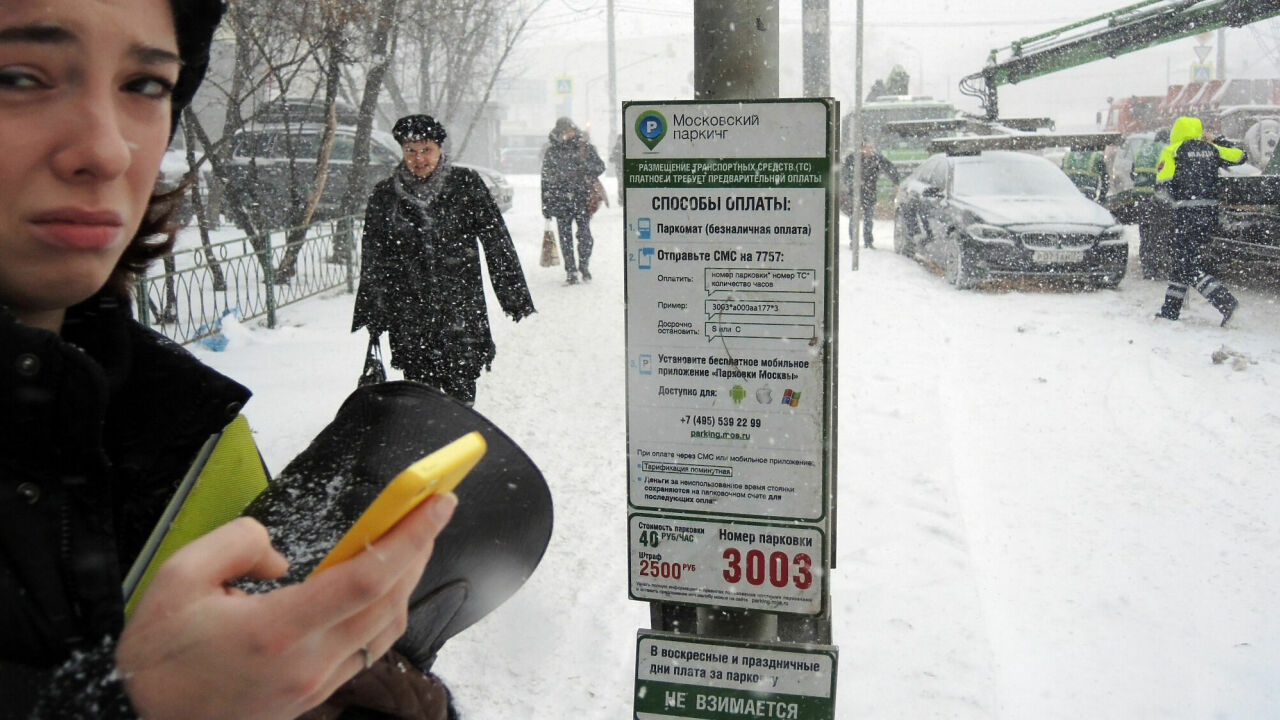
x,y
186,295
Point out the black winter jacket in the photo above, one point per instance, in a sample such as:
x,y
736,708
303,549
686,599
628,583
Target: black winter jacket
x,y
1196,175
568,168
873,166
420,274
98,426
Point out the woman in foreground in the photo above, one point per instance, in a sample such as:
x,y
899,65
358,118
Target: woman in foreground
x,y
99,417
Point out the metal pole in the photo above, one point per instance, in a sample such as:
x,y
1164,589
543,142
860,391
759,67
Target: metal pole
x,y
269,278
817,48
613,80
735,58
348,225
142,298
1221,70
855,212
735,49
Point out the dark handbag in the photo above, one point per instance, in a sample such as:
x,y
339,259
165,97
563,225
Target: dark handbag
x,y
595,195
374,371
496,538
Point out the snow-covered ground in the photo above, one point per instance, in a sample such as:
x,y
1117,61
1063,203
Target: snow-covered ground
x,y
1051,505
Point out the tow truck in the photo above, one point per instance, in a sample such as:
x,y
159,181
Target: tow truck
x,y
1119,32
1249,224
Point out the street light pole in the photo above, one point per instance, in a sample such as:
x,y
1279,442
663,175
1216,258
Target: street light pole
x,y
735,49
613,80
816,48
855,212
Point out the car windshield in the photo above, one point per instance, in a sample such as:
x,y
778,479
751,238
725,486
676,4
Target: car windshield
x,y
1010,176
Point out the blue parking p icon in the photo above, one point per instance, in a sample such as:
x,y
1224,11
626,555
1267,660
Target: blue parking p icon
x,y
651,127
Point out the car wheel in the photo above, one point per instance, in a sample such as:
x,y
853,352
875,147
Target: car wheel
x,y
902,235
959,264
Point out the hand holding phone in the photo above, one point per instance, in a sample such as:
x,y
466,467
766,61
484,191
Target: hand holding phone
x,y
439,472
326,507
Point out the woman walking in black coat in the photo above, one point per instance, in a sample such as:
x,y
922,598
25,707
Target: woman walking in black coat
x,y
420,278
570,166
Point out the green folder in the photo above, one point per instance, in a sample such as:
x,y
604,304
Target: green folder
x,y
226,475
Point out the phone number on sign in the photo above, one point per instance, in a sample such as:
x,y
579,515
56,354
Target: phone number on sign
x,y
720,421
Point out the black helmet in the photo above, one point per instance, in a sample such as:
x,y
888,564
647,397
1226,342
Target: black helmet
x,y
194,22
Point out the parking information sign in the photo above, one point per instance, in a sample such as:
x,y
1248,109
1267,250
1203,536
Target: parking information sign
x,y
678,676
731,217
729,209
752,566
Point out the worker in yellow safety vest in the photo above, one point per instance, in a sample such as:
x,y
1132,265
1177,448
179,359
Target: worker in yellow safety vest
x,y
1088,170
1147,161
1187,181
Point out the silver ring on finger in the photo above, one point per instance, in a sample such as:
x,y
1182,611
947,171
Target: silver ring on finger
x,y
367,657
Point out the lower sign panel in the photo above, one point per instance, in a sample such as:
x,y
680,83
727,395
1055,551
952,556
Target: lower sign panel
x,y
678,676
766,567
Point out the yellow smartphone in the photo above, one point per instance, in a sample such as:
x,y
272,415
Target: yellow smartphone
x,y
439,472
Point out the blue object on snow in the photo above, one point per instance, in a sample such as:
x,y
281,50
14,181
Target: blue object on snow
x,y
215,340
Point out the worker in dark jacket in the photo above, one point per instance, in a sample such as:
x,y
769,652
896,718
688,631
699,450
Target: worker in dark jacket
x,y
570,166
100,417
1152,252
420,275
873,166
1188,182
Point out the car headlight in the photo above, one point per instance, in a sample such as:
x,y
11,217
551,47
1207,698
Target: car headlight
x,y
1113,235
989,233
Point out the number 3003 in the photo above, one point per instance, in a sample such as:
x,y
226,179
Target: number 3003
x,y
779,568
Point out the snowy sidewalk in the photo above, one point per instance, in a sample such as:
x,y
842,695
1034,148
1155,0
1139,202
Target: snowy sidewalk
x,y
1050,504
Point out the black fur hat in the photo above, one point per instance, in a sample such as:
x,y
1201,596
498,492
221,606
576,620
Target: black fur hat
x,y
412,128
194,22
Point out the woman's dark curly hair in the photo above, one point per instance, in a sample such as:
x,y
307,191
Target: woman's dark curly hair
x,y
154,238
194,22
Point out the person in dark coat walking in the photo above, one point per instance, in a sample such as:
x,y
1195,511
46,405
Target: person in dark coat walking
x,y
420,278
100,417
1187,181
873,166
570,166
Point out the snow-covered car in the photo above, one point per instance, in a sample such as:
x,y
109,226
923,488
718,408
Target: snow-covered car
x,y
174,169
498,186
265,148
1002,213
173,164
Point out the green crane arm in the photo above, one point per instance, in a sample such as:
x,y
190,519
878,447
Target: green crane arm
x,y
1128,29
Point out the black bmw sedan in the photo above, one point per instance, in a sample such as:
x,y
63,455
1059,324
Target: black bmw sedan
x,y
1000,213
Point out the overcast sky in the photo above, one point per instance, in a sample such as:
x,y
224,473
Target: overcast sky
x,y
940,41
